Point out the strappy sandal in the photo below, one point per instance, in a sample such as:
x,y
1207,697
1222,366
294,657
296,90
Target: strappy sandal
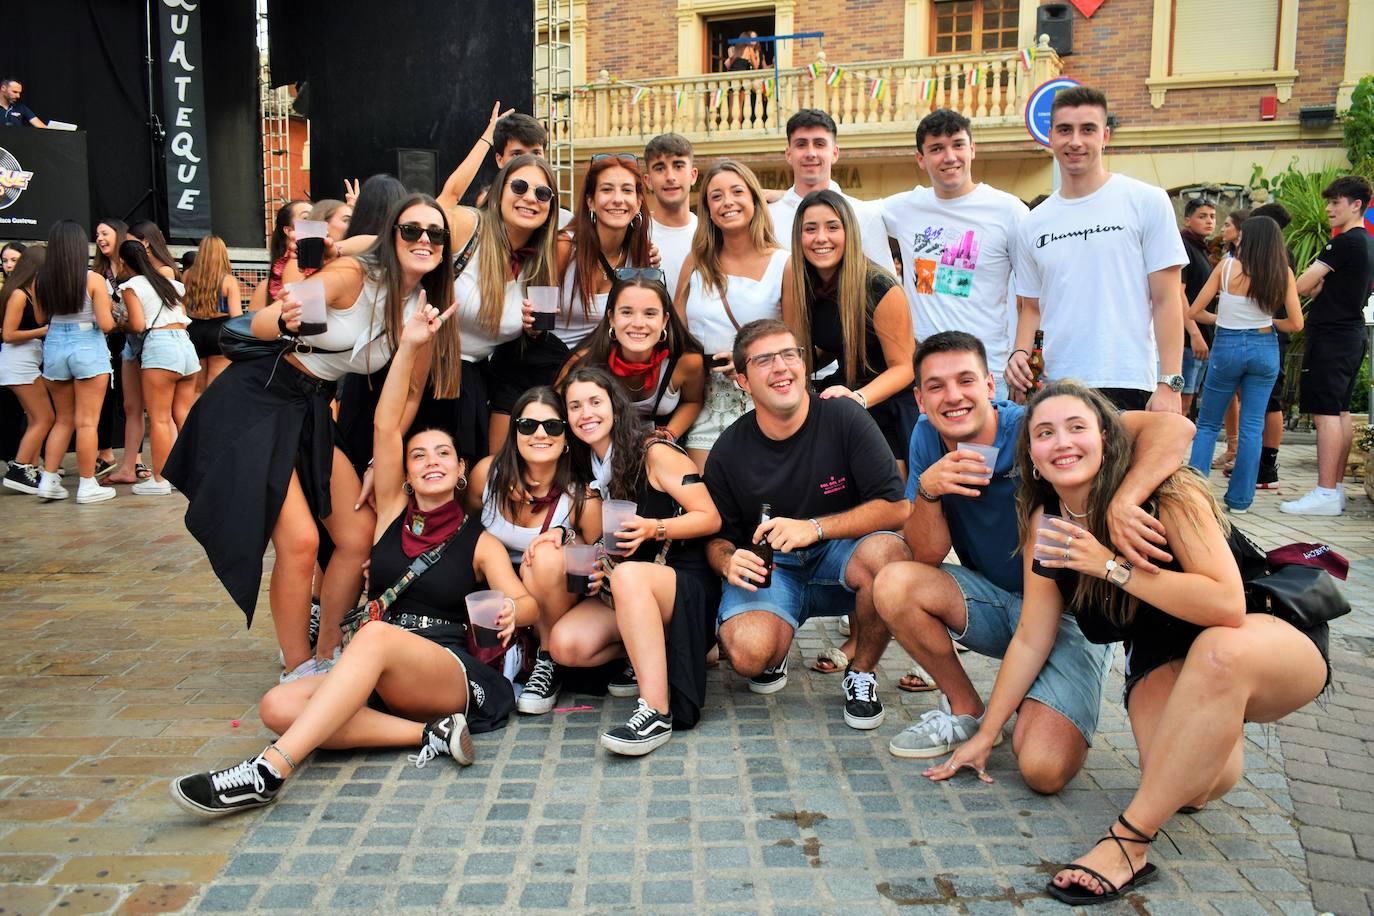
x,y
1078,895
143,472
920,674
831,661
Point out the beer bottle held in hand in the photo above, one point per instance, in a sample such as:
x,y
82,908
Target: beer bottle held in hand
x,y
764,550
1037,362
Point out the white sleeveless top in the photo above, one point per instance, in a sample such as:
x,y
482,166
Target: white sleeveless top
x,y
359,331
1238,313
667,404
749,300
573,326
515,537
156,314
478,342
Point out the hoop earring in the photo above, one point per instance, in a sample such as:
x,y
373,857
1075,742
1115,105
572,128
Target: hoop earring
x,y
462,483
663,336
637,220
566,447
611,331
591,215
1035,472
407,489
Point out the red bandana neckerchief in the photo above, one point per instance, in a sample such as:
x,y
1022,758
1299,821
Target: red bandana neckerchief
x,y
648,372
424,530
518,257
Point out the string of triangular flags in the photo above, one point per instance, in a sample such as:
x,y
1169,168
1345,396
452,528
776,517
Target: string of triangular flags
x,y
877,87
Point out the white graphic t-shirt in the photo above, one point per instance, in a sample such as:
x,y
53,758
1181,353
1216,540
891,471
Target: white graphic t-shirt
x,y
1088,260
957,258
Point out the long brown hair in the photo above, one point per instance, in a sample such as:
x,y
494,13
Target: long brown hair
x,y
1263,259
600,343
104,265
627,435
205,278
851,283
708,241
1184,486
586,260
506,476
60,286
148,231
23,275
493,245
381,265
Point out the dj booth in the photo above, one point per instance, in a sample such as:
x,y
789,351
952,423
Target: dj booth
x,y
43,178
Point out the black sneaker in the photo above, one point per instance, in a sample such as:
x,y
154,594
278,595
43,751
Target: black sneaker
x,y
771,680
251,784
862,708
647,729
1268,478
21,477
624,684
448,735
541,690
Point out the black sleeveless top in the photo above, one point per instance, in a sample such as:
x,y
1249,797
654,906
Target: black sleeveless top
x,y
827,329
651,503
29,320
441,590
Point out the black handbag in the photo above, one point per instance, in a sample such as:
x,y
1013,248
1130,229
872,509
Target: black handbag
x,y
1305,596
238,342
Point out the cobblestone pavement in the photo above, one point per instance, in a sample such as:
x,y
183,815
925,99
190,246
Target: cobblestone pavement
x,y
123,664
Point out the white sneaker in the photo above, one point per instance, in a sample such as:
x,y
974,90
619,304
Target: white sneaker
x,y
304,669
843,625
50,486
91,492
152,487
1314,503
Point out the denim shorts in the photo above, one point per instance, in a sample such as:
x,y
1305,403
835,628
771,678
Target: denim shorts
x,y
1193,371
21,363
806,583
1072,678
171,350
74,350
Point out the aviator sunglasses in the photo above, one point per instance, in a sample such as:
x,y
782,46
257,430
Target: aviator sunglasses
x,y
526,426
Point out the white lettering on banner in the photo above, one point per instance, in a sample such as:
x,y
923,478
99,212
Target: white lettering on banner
x,y
188,199
178,56
179,5
181,145
182,82
180,24
183,117
186,173
183,101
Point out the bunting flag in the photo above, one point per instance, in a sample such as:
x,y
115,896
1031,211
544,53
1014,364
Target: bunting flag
x,y
928,89
716,98
769,87
975,77
677,99
878,89
638,94
1027,55
836,74
815,68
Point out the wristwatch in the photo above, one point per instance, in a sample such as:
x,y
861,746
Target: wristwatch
x,y
1119,573
661,533
1175,382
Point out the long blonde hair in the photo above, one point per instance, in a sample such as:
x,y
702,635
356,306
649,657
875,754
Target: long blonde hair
x,y
709,240
493,245
851,284
206,276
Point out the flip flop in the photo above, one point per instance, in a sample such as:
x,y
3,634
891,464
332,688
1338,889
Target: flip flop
x,y
831,661
918,673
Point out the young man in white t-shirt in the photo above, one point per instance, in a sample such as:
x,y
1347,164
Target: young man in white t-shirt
x,y
1098,269
957,239
812,152
670,174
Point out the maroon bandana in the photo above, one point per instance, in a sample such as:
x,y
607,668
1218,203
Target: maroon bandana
x,y
518,257
423,530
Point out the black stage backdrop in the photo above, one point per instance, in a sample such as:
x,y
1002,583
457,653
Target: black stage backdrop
x,y
83,61
421,74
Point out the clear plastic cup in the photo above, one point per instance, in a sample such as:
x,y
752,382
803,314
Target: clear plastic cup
x,y
310,235
1050,547
614,514
579,563
314,313
989,453
546,304
483,610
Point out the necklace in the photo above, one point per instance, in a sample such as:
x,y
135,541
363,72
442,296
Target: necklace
x,y
1072,514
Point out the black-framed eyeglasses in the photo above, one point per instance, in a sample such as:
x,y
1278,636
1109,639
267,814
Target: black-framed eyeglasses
x,y
630,156
542,192
652,274
411,232
526,426
791,356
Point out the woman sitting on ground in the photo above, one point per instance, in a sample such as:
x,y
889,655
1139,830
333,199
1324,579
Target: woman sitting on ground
x,y
1198,666
646,345
665,596
411,668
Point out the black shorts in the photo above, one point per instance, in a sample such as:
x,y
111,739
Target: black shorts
x,y
1126,398
521,364
1329,368
491,699
205,336
896,418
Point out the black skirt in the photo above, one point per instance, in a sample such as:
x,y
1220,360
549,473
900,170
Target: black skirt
x,y
261,420
691,634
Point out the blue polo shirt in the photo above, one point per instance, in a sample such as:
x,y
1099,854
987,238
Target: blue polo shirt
x,y
982,529
17,115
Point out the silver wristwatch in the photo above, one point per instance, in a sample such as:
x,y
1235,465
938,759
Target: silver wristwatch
x,y
1175,382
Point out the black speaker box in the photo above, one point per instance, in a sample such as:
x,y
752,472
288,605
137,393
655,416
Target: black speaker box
x,y
418,170
1056,21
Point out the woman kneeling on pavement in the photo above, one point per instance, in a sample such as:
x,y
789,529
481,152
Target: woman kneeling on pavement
x,y
1198,667
412,667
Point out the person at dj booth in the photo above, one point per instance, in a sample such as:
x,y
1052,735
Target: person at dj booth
x,y
14,113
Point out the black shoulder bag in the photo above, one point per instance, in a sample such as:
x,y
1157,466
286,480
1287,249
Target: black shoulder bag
x,y
1305,596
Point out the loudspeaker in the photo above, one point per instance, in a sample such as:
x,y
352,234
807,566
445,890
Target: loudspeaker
x,y
1056,21
418,170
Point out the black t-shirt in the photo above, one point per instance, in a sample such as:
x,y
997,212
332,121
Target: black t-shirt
x,y
1339,307
738,64
1195,275
836,461
827,329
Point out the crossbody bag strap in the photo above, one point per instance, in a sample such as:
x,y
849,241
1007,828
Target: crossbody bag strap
x,y
725,301
548,516
460,260
418,567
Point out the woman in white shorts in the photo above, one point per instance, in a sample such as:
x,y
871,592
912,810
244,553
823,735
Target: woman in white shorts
x,y
733,276
168,362
21,368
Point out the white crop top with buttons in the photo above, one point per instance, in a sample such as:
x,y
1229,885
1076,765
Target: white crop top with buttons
x,y
359,331
478,341
517,538
750,299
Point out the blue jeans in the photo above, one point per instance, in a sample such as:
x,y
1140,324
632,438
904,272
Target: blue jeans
x,y
1246,361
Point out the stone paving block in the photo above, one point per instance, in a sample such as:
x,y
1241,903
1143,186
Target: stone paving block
x,y
227,898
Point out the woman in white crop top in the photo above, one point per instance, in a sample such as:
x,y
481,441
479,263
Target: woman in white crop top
x,y
1251,289
258,459
526,492
733,276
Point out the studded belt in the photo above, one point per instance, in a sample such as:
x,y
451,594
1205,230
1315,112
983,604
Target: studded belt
x,y
420,622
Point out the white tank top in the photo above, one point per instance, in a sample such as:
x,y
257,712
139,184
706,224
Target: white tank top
x,y
478,341
359,331
573,326
749,300
667,404
515,537
1238,313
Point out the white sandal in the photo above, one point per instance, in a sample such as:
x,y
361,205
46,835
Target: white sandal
x,y
833,655
918,672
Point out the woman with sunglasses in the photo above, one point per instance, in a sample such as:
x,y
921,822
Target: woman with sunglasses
x,y
408,680
658,606
258,458
644,343
733,276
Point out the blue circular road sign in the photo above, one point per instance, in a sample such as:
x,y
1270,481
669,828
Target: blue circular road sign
x,y
1038,108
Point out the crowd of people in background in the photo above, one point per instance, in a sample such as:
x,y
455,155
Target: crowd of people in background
x,y
509,450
